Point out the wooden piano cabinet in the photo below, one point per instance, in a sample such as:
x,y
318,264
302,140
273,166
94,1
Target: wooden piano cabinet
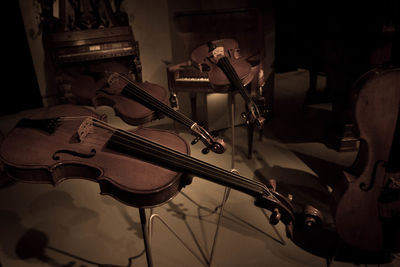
x,y
76,41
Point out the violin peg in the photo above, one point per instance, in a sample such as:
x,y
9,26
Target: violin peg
x,y
173,99
313,217
275,217
211,46
205,151
271,184
195,140
290,197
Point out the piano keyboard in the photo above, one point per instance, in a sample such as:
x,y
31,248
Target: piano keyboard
x,y
191,79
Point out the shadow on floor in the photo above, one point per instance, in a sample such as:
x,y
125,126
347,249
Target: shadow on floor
x,y
34,243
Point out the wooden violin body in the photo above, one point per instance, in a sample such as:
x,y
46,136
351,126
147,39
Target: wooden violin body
x,y
32,153
90,89
371,201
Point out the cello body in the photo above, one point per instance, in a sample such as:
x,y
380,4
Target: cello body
x,y
370,205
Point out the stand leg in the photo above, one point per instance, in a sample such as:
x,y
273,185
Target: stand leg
x,y
206,262
147,248
225,198
193,104
250,132
232,111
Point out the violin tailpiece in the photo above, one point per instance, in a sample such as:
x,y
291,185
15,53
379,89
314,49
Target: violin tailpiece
x,y
46,125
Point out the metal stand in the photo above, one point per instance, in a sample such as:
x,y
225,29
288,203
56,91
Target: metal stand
x,y
147,233
146,240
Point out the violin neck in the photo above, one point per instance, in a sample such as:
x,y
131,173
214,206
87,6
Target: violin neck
x,y
133,91
236,82
143,148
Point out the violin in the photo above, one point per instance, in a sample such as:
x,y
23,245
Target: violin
x,y
368,212
68,141
221,59
136,103
91,91
48,149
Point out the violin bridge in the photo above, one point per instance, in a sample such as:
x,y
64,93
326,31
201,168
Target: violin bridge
x,y
85,129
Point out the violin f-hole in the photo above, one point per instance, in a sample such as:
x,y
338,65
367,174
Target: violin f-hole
x,y
91,154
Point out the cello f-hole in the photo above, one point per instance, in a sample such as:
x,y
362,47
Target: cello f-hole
x,y
363,185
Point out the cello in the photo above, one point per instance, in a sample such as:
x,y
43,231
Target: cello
x,y
368,211
55,145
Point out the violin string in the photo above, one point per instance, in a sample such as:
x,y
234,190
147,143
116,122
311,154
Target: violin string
x,y
71,118
196,167
133,91
132,135
160,106
200,168
234,78
232,75
137,91
177,155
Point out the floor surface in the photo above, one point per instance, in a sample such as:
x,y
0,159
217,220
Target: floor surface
x,y
73,225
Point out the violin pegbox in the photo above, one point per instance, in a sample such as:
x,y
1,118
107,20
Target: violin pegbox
x,y
85,129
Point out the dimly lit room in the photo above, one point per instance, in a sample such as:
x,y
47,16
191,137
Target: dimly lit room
x,y
200,133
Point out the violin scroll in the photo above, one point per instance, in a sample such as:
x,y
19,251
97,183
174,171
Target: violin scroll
x,y
216,145
281,210
253,116
313,217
